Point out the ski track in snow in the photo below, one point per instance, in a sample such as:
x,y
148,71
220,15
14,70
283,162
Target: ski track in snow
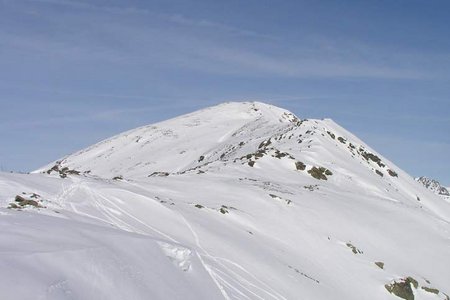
x,y
217,261
65,193
105,208
206,266
120,223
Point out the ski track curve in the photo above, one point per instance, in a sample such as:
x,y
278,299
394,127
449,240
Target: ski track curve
x,y
215,275
223,277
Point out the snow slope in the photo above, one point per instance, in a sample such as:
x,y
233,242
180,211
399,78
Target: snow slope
x,y
48,257
237,201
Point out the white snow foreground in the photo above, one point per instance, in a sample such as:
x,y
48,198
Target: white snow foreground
x,y
237,201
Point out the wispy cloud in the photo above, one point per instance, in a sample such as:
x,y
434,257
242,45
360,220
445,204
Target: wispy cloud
x,y
86,6
242,61
216,52
183,20
75,93
175,18
99,116
204,46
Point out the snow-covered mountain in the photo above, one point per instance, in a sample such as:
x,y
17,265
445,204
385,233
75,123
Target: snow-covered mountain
x,y
237,201
434,186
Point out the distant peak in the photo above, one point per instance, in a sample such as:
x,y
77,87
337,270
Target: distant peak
x,y
433,185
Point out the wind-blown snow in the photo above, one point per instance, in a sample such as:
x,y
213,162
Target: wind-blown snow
x,y
219,204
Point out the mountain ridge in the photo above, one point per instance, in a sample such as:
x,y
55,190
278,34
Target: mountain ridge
x,y
277,124
245,198
234,134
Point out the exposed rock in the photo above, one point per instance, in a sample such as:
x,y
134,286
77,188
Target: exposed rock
x,y
300,166
401,288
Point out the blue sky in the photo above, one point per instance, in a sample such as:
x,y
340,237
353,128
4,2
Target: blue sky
x,y
75,72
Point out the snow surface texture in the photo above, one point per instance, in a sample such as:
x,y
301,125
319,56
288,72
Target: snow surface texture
x,y
237,201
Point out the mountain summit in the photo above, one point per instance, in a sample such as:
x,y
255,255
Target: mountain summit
x,y
180,144
226,136
237,201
